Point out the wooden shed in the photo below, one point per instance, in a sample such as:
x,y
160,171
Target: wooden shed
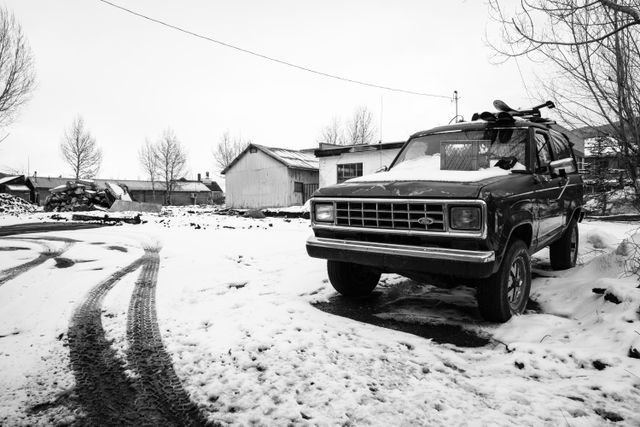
x,y
16,185
269,177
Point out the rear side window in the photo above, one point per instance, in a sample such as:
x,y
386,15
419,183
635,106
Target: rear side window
x,y
560,147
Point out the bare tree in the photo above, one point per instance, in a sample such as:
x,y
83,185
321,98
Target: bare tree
x,y
332,133
17,72
228,149
594,47
171,160
360,129
531,25
80,151
149,162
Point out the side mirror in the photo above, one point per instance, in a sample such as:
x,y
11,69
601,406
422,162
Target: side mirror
x,y
382,169
562,167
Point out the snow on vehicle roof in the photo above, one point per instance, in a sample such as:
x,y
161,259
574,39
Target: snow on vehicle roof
x,y
427,168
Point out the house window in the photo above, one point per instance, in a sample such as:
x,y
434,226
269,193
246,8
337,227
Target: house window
x,y
297,187
348,171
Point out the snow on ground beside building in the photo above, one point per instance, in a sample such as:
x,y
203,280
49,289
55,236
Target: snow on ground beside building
x,y
23,218
235,307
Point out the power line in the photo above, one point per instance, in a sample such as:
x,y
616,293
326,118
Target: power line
x,y
268,58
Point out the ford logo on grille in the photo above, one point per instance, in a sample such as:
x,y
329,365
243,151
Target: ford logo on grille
x,y
425,221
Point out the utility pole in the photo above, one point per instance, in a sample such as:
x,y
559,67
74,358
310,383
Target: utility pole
x,y
455,99
381,112
457,118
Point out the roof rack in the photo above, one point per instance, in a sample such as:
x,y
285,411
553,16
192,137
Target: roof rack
x,y
508,114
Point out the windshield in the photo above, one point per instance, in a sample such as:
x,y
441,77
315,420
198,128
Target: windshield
x,y
469,150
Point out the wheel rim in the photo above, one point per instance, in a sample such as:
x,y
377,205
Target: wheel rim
x,y
574,244
516,284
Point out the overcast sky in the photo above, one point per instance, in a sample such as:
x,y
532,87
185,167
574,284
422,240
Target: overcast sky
x,y
130,78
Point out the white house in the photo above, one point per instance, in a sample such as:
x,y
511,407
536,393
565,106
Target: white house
x,y
269,177
341,162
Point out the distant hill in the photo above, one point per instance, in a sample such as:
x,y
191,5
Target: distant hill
x,y
587,132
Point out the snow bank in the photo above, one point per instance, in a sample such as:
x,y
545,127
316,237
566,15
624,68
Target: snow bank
x,y
291,209
590,315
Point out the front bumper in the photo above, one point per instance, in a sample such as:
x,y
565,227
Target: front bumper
x,y
398,258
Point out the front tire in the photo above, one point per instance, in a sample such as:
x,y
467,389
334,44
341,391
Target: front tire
x,y
564,252
352,280
506,292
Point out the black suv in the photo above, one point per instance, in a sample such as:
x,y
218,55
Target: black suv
x,y
466,203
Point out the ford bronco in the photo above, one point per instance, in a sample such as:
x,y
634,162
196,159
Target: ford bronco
x,y
467,203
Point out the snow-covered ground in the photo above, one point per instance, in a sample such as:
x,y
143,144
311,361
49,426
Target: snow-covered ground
x,y
235,299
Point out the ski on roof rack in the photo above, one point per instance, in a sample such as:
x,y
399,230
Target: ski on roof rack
x,y
508,114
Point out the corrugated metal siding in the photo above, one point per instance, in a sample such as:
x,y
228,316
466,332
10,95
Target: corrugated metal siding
x,y
258,181
306,177
293,158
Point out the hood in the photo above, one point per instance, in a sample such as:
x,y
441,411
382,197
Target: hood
x,y
408,189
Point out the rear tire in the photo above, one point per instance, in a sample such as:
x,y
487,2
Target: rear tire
x,y
352,280
564,252
506,292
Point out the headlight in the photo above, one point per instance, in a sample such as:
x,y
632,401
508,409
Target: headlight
x,y
323,212
465,218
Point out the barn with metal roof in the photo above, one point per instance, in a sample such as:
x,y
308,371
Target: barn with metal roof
x,y
270,177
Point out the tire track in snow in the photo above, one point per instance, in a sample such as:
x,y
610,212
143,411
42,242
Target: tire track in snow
x,y
158,385
106,393
47,254
154,396
42,227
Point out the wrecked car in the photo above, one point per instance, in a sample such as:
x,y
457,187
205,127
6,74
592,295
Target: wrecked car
x,y
467,203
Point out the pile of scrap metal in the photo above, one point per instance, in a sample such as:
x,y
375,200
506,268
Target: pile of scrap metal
x,y
84,195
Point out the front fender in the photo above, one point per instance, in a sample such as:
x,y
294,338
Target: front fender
x,y
514,220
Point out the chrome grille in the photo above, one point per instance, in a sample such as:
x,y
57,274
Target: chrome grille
x,y
391,215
